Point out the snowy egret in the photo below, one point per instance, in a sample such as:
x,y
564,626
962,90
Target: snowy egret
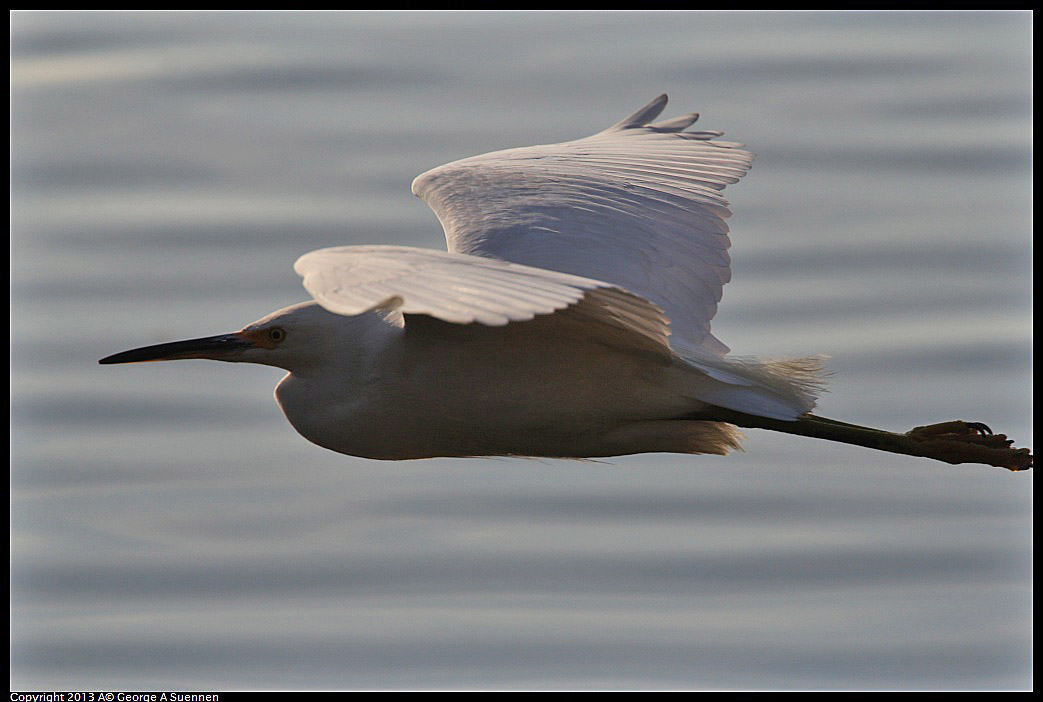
x,y
569,318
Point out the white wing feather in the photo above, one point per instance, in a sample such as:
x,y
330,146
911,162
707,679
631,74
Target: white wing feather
x,y
607,232
637,205
465,289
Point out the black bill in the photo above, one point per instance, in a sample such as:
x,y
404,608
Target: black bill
x,y
218,348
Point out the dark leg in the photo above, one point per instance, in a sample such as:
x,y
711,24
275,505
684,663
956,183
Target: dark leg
x,y
951,442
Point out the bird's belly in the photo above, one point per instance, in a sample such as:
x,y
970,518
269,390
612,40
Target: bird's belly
x,y
560,403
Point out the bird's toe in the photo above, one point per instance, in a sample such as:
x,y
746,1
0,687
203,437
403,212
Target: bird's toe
x,y
970,442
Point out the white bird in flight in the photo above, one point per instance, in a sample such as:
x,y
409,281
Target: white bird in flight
x,y
570,317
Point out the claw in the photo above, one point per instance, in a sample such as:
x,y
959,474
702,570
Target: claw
x,y
956,427
970,442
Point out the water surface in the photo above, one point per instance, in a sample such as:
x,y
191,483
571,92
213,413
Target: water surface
x,y
171,530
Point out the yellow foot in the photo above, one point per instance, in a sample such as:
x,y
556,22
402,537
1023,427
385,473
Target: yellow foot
x,y
969,442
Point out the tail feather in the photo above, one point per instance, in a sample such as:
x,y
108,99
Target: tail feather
x,y
777,388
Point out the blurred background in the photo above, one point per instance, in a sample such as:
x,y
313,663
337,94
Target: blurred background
x,y
169,529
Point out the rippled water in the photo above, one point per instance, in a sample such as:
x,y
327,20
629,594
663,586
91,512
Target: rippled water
x,y
170,530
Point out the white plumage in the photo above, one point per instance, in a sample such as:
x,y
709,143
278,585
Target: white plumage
x,y
570,316
634,214
638,205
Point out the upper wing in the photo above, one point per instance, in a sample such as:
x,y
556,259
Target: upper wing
x,y
466,289
637,205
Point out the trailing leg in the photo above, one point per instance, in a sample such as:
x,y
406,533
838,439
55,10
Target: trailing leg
x,y
951,442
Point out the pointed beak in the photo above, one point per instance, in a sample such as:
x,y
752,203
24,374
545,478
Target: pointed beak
x,y
224,347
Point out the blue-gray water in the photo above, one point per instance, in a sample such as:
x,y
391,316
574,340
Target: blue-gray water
x,y
170,530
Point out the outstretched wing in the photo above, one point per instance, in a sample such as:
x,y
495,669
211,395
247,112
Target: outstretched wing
x,y
465,289
637,205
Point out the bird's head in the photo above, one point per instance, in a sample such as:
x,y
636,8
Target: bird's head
x,y
292,338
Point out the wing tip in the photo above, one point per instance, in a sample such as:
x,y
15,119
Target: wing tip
x,y
677,124
642,117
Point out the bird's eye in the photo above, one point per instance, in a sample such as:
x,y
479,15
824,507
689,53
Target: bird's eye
x,y
276,334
